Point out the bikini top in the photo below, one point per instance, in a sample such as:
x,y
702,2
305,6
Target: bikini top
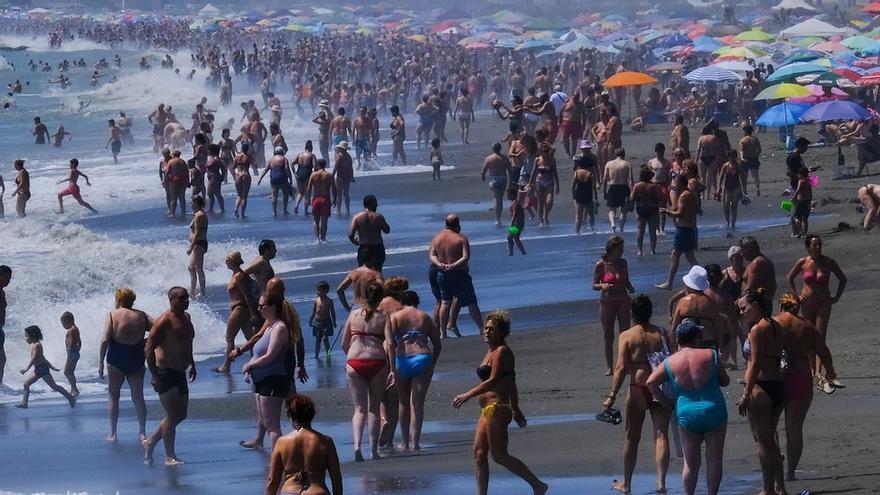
x,y
609,278
817,277
485,371
411,335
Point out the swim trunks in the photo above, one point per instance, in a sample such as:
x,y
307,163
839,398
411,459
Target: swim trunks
x,y
128,359
273,386
617,195
685,239
362,145
115,146
372,255
456,284
322,328
167,379
72,190
321,206
498,183
753,163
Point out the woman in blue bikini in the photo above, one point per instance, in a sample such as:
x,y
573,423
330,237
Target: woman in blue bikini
x,y
700,409
499,404
412,361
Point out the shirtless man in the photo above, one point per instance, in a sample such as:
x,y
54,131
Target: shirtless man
x,y
698,305
750,153
5,278
425,110
115,140
279,178
319,188
449,254
177,180
340,127
680,136
760,271
613,133
685,240
362,133
73,188
617,182
124,123
571,121
305,165
498,167
169,353
357,279
158,119
261,267
323,120
343,174
366,233
40,131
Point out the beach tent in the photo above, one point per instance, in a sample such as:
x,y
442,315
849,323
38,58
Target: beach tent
x,y
793,5
813,27
209,11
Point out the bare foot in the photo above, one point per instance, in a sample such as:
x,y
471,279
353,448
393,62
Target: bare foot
x,y
142,437
417,447
403,446
664,286
21,406
541,489
221,370
358,457
112,438
251,444
173,461
619,487
148,451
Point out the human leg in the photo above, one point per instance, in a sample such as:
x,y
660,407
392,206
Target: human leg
x,y
376,388
419,386
660,419
404,390
270,411
715,457
606,319
634,412
136,389
691,444
498,443
114,388
359,390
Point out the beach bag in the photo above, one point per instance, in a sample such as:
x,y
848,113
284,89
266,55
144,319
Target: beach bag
x,y
655,359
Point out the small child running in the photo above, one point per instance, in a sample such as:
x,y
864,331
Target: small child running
x,y
436,159
803,203
33,335
517,220
73,344
323,318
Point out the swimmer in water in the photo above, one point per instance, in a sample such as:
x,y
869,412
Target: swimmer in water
x,y
73,187
58,137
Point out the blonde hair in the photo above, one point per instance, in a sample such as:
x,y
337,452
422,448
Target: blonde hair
x,y
235,257
125,298
790,303
395,287
501,319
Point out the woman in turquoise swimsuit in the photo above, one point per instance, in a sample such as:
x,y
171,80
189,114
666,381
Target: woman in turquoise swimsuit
x,y
700,410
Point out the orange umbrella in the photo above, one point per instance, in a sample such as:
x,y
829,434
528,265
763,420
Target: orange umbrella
x,y
624,79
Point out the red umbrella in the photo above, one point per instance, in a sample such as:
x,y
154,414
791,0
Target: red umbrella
x,y
849,74
870,80
866,63
873,8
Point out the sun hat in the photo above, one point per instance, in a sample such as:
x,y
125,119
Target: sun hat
x,y
696,279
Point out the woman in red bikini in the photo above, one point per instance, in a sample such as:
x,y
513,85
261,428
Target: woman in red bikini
x,y
815,296
367,366
639,347
802,341
611,277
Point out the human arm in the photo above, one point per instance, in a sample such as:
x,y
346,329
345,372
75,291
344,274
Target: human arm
x,y
436,342
841,281
723,377
504,356
105,343
620,368
276,468
391,327
333,469
465,257
597,278
340,292
277,344
749,378
265,171
794,272
346,335
657,378
157,335
352,230
385,227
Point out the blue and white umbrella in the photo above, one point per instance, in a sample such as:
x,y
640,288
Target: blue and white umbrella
x,y
711,73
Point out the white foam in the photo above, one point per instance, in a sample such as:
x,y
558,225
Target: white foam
x,y
4,64
41,44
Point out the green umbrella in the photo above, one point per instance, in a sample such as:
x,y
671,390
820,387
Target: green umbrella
x,y
755,34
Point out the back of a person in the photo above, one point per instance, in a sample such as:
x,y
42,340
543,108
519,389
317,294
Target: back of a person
x,y
797,340
647,341
129,326
700,406
691,370
304,453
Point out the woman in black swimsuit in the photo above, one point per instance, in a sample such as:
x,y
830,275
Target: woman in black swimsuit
x,y
646,197
499,404
764,393
582,188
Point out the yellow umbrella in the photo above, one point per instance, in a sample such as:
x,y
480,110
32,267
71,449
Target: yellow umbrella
x,y
418,38
627,78
755,34
784,90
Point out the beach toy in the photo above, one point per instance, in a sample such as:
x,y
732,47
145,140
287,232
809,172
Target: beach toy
x,y
513,230
786,205
814,180
610,415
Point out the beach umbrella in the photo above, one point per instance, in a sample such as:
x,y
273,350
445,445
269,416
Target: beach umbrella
x,y
868,81
835,110
858,42
872,8
782,115
828,47
706,44
795,69
571,36
675,40
780,91
851,73
419,38
740,52
802,56
734,65
525,45
627,78
832,79
665,66
755,34
712,73
818,90
573,46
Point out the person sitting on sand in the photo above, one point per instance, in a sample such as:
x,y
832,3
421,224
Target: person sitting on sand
x,y
640,350
73,344
301,458
499,404
696,379
33,335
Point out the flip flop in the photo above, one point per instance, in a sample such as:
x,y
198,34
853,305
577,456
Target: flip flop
x,y
610,415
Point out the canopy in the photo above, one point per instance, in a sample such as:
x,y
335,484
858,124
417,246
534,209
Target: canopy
x,y
782,115
780,91
813,27
835,110
795,69
209,11
627,78
793,5
712,73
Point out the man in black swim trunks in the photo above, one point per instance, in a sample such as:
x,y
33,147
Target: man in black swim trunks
x,y
366,233
5,277
169,353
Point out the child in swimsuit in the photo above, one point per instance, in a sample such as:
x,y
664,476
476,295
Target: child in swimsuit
x,y
73,344
323,318
436,159
33,336
517,220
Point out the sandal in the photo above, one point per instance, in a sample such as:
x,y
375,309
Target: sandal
x,y
836,383
610,415
823,385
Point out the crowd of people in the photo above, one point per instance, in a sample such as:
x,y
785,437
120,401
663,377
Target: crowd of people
x,y
391,344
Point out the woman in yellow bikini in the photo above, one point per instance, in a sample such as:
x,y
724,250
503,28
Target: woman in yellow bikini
x,y
499,403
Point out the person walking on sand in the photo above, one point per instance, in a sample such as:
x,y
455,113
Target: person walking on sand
x,y
499,405
750,153
123,346
72,345
498,168
611,277
640,350
323,318
73,187
450,253
413,345
366,233
617,182
169,353
700,409
33,335
320,187
685,240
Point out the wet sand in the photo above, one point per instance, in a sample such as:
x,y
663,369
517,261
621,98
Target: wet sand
x,y
556,339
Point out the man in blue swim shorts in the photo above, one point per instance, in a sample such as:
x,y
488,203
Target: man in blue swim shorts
x,y
685,240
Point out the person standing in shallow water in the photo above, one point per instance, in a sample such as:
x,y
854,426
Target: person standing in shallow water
x,y
5,278
499,405
73,187
169,353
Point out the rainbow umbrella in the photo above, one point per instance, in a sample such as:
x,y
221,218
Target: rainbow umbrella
x,y
781,91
